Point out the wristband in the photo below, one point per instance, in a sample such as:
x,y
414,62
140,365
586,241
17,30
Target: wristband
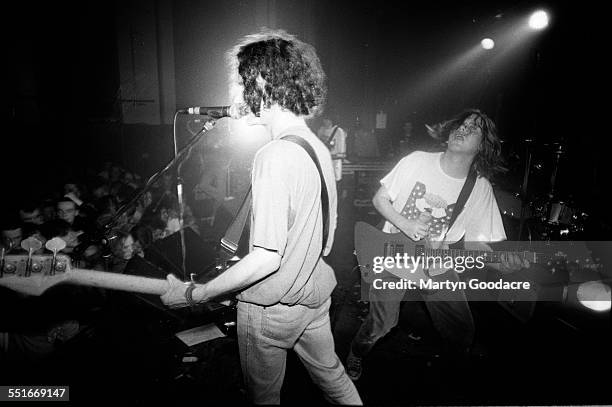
x,y
189,292
188,295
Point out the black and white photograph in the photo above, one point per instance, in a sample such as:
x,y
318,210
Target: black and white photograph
x,y
305,202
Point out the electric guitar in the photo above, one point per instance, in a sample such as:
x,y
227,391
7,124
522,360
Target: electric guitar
x,y
372,247
35,274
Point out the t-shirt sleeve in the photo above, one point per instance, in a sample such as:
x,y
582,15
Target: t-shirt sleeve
x,y
271,201
486,224
394,181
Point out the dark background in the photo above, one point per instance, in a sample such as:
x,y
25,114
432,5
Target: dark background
x,y
97,81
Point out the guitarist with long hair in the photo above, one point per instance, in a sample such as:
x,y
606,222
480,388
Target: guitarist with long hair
x,y
418,198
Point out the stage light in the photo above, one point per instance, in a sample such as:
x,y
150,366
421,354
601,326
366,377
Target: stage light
x,y
487,43
594,295
538,20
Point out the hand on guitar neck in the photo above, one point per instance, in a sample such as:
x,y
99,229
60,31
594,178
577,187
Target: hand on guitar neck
x,y
509,262
176,295
373,246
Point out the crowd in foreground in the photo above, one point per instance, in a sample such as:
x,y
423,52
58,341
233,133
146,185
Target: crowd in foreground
x,y
100,232
89,218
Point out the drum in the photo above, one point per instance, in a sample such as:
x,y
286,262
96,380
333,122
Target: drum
x,y
560,220
563,214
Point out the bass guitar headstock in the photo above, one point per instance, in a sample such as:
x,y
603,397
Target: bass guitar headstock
x,y
33,274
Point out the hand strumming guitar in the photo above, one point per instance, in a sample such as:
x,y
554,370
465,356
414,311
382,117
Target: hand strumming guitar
x,y
509,262
414,229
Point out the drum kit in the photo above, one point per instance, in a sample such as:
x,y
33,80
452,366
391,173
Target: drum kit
x,y
548,214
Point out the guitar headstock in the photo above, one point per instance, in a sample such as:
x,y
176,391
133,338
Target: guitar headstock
x,y
35,275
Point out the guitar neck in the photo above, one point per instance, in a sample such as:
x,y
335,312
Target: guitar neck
x,y
485,256
114,281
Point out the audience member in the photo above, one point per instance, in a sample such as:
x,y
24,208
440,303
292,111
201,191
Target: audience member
x,y
30,213
122,250
47,209
143,238
32,230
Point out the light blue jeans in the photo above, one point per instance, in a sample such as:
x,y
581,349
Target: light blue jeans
x,y
266,333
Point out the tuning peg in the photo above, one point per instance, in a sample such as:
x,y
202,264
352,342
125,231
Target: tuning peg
x,y
31,244
7,243
10,268
55,245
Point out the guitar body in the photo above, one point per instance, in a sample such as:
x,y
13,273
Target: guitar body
x,y
372,244
377,251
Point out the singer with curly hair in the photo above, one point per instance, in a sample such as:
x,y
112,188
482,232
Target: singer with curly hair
x,y
283,282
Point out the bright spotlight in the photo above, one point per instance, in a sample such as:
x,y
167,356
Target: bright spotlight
x,y
594,295
538,20
487,43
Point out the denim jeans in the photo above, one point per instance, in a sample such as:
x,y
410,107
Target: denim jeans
x,y
266,333
449,311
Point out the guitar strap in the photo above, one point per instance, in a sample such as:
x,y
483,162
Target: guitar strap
x,y
466,190
324,196
235,240
468,186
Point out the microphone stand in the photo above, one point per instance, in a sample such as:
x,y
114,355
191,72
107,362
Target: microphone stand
x,y
179,194
179,156
524,188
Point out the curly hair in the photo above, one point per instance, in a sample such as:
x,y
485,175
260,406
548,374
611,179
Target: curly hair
x,y
291,71
488,160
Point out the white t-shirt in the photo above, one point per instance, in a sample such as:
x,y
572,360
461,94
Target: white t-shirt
x,y
418,182
287,218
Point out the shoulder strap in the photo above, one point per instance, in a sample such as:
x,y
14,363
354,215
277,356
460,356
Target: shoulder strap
x,y
468,186
235,235
324,196
331,137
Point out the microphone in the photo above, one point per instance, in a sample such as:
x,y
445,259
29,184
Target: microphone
x,y
234,111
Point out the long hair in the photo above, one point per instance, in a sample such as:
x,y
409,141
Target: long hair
x,y
291,72
488,160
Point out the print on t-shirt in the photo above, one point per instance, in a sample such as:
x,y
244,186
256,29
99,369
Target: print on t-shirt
x,y
419,200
